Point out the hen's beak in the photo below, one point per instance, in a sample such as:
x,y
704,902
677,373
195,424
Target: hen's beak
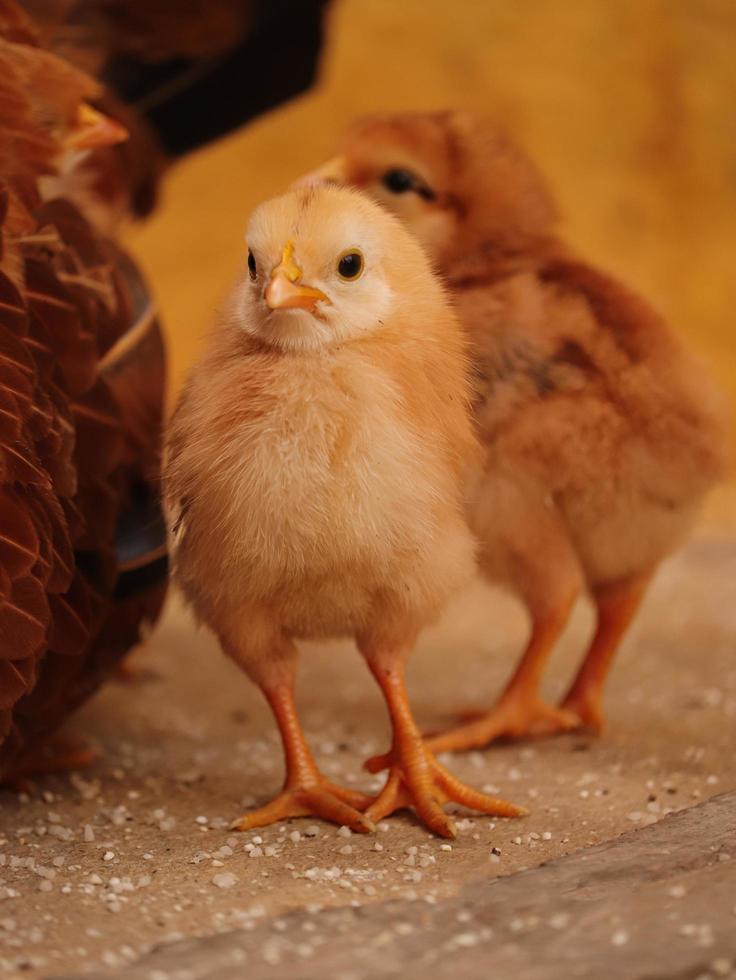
x,y
333,172
284,290
92,129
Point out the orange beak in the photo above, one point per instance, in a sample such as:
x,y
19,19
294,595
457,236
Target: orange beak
x,y
92,129
284,291
333,172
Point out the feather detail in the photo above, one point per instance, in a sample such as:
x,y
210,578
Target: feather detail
x,y
64,475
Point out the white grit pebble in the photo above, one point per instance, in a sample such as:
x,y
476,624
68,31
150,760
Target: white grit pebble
x,y
344,831
295,836
445,847
108,856
619,938
63,833
225,879
89,833
347,849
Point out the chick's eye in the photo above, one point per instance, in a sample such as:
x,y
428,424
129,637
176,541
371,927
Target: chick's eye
x,y
398,181
350,264
252,268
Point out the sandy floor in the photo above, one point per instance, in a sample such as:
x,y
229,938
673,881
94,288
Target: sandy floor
x,y
95,868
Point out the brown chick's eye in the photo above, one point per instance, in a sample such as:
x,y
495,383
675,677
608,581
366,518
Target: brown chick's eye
x,y
252,268
350,265
398,181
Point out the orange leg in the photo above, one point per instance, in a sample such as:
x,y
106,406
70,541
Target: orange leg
x,y
520,710
617,605
416,779
306,792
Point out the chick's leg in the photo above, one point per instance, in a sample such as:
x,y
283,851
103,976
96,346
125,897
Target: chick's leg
x,y
525,544
416,779
306,791
617,605
520,710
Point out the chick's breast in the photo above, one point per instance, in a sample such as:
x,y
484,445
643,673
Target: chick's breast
x,y
309,484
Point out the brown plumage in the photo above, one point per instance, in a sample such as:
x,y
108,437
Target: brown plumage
x,y
71,457
600,435
314,477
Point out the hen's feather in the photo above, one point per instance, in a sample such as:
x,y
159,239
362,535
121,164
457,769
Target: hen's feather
x,y
65,470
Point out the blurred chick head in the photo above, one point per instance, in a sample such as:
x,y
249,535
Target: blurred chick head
x,y
325,265
455,180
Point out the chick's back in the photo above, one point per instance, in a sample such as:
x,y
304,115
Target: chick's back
x,y
583,391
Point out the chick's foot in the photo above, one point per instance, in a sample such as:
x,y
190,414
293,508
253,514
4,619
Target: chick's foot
x,y
417,780
507,720
514,716
587,708
306,792
311,796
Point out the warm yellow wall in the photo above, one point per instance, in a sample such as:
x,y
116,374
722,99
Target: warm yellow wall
x,y
628,105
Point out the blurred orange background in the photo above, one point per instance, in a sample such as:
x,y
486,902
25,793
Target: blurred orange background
x,y
628,105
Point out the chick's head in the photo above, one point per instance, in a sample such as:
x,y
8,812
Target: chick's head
x,y
456,181
325,265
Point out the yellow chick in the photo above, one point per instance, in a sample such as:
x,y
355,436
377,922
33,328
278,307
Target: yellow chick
x,y
600,435
313,479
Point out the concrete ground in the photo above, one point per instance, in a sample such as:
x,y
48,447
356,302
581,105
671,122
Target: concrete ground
x,y
96,868
653,903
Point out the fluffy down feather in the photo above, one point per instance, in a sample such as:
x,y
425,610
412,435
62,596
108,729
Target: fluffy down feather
x,y
314,475
600,435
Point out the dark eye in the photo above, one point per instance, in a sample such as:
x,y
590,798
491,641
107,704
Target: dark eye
x,y
252,268
350,264
398,181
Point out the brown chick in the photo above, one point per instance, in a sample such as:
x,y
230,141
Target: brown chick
x,y
600,436
314,479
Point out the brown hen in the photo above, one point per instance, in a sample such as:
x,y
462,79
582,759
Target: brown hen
x,y
79,413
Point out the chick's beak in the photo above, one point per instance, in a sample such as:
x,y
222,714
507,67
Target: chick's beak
x,y
92,129
284,290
